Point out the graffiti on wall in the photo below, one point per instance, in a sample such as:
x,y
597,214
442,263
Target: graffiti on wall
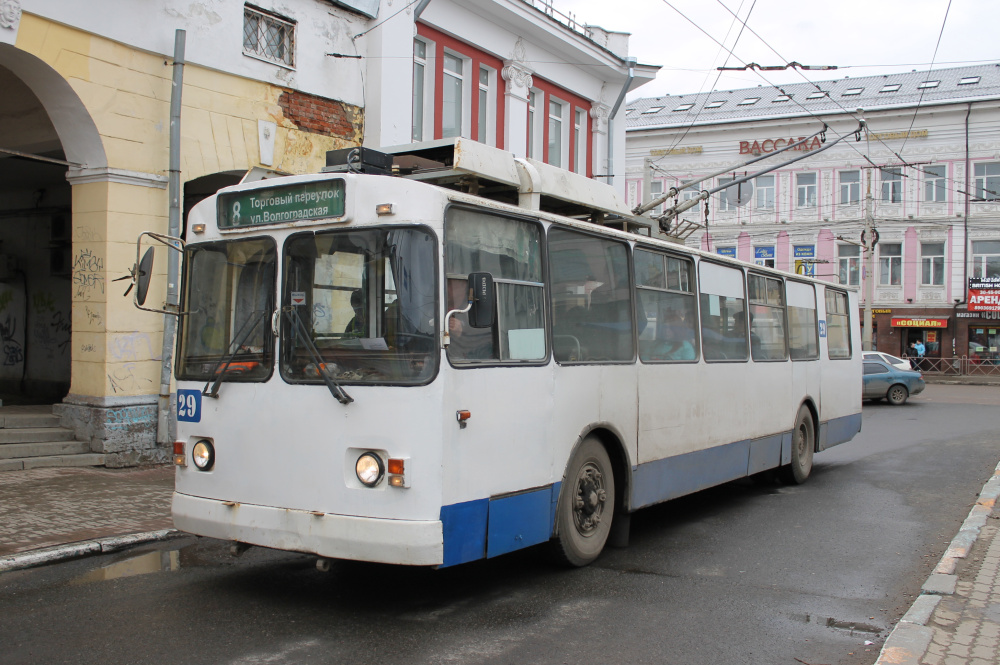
x,y
88,275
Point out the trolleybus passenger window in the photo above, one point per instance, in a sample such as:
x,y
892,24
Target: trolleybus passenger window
x,y
510,250
367,301
229,292
723,313
803,338
665,308
838,325
767,318
591,299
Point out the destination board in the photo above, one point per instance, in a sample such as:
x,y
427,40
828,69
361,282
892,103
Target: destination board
x,y
276,205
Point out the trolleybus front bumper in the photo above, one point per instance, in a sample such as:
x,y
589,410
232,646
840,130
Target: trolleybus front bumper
x,y
408,542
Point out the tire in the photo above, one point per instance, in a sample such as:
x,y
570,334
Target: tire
x,y
803,445
897,394
586,505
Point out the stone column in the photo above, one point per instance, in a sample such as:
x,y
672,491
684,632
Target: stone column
x,y
115,347
518,78
600,112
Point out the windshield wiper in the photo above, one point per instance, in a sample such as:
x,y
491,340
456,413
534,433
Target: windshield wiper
x,y
331,383
220,368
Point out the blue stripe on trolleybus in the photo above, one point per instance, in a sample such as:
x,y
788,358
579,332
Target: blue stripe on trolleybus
x,y
490,527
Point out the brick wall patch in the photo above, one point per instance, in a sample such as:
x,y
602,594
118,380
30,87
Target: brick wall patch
x,y
320,115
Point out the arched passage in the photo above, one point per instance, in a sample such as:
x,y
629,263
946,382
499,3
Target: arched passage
x,y
45,131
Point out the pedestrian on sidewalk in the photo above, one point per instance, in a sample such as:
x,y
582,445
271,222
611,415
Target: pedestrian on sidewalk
x,y
919,347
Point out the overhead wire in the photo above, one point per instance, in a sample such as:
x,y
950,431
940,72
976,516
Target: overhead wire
x,y
903,162
922,89
718,75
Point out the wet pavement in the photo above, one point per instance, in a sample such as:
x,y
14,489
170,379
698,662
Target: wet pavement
x,y
954,621
41,508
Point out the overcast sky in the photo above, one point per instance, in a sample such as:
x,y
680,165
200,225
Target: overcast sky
x,y
860,37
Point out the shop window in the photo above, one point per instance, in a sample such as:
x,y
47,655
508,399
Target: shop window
x,y
764,256
268,36
892,185
890,264
850,187
932,263
984,344
849,264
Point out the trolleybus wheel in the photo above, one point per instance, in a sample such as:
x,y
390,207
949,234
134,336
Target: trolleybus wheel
x,y
897,394
803,445
586,505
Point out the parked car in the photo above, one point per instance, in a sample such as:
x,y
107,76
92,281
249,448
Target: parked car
x,y
883,381
898,363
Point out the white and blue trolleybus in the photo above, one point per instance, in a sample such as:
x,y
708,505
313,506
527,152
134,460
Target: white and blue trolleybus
x,y
480,357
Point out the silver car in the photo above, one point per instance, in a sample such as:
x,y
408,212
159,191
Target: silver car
x,y
888,359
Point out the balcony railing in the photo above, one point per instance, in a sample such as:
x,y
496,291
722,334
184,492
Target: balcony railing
x,y
569,20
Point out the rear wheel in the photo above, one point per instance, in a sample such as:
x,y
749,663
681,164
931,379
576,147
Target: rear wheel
x,y
897,395
803,445
586,505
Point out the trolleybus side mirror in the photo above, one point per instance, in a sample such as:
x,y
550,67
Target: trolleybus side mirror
x,y
484,298
143,276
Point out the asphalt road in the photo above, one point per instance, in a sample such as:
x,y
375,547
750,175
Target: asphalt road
x,y
744,573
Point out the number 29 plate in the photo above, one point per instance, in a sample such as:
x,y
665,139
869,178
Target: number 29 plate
x,y
189,406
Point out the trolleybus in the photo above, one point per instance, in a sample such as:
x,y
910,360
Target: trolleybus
x,y
440,368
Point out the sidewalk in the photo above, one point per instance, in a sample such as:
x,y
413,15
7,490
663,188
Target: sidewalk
x,y
57,513
956,618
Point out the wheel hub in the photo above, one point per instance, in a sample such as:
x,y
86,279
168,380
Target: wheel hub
x,y
590,498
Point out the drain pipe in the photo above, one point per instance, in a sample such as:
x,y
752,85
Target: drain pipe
x,y
163,434
611,120
420,9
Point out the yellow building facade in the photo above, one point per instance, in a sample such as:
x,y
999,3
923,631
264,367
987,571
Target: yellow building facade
x,y
85,157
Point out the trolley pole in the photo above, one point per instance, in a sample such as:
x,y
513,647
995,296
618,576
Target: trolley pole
x,y
869,272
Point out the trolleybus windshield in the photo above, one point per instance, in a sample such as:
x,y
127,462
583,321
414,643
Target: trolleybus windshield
x,y
229,294
367,299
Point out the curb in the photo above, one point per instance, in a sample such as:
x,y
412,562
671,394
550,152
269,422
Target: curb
x,y
909,639
47,555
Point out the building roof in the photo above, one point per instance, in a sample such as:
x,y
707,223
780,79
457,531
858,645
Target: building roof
x,y
819,97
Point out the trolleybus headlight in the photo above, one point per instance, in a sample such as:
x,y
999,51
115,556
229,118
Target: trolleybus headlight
x,y
369,469
203,455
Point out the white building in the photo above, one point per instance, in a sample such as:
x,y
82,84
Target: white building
x,y
931,157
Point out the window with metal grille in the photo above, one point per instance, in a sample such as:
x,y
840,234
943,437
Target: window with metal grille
x,y
268,37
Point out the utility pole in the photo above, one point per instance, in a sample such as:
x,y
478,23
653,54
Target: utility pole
x,y
869,272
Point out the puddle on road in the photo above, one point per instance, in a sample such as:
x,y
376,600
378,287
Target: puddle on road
x,y
838,624
143,564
